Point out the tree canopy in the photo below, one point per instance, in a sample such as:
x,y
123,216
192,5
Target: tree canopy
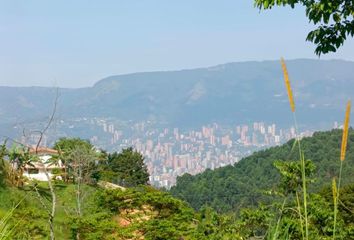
x,y
78,156
126,168
334,20
66,145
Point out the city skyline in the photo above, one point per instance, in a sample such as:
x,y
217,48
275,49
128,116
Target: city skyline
x,y
170,151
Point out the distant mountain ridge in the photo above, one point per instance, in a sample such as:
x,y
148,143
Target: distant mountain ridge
x,y
233,92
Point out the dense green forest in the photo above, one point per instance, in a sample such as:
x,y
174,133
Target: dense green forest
x,y
245,183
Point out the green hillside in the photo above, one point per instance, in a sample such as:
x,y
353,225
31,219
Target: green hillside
x,y
96,208
134,213
29,219
244,184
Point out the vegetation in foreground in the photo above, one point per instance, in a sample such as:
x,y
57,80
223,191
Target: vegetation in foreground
x,y
295,177
142,212
76,208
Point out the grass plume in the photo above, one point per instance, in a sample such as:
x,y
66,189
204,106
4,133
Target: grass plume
x,y
342,158
334,190
345,131
298,140
287,84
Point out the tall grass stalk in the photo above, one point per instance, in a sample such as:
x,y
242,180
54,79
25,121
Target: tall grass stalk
x,y
342,158
276,232
303,177
335,202
300,215
298,140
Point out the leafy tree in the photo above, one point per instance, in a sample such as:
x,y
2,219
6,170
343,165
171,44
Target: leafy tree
x,y
126,168
290,172
334,20
254,222
345,205
152,215
78,156
18,157
284,221
82,163
217,226
97,225
67,144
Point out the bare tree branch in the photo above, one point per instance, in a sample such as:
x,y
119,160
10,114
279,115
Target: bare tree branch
x,y
51,187
50,120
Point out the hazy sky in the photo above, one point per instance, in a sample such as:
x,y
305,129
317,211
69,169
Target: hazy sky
x,y
76,43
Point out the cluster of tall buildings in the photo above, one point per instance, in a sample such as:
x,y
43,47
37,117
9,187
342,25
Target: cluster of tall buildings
x,y
171,152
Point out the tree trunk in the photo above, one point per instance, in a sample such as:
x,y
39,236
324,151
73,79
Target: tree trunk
x,y
54,202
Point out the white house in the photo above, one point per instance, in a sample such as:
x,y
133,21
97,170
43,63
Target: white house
x,y
37,171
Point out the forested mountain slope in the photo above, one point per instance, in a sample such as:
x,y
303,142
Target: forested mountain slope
x,y
233,187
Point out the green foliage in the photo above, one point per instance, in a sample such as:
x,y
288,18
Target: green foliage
x,y
216,226
67,145
6,230
30,220
19,157
282,221
142,212
156,215
231,188
290,172
335,20
3,172
345,206
12,164
35,220
97,225
150,213
164,217
254,222
3,165
79,158
126,168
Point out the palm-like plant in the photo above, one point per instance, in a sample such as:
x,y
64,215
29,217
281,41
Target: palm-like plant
x,y
19,158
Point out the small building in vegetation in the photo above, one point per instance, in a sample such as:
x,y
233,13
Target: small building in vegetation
x,y
37,169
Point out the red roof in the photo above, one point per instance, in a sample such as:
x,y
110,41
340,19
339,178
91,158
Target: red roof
x,y
43,150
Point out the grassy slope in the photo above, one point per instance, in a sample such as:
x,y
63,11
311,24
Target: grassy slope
x,y
30,217
136,213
